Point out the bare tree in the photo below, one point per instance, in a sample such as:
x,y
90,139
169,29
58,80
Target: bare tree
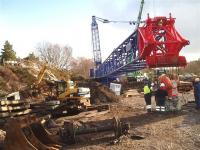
x,y
82,66
192,67
54,54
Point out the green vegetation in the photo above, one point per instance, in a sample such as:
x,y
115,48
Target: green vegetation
x,y
31,56
8,53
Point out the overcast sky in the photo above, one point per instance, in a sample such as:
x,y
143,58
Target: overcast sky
x,y
24,23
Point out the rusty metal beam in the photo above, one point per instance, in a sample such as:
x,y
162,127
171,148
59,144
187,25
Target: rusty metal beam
x,y
72,129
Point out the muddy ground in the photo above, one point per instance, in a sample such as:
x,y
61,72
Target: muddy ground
x,y
149,131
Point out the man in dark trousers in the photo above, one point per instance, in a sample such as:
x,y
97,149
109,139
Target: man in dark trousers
x,y
161,96
197,93
147,96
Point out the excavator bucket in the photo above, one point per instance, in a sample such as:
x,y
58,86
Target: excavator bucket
x,y
28,133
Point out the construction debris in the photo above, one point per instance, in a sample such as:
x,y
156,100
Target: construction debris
x,y
71,106
72,129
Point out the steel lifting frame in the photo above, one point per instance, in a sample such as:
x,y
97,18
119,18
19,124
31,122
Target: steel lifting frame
x,y
123,59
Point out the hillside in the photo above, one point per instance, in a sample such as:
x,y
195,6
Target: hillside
x,y
22,76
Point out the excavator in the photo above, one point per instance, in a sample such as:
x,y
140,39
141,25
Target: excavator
x,y
69,89
63,92
60,89
71,97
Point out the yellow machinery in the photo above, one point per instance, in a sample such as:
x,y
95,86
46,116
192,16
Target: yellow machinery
x,y
65,91
40,75
71,97
36,85
77,98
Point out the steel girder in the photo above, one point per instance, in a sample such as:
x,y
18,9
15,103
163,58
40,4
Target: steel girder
x,y
123,59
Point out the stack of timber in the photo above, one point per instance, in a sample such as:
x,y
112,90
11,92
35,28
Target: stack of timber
x,y
184,86
10,108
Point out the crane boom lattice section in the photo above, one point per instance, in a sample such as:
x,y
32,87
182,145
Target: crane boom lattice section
x,y
96,42
123,59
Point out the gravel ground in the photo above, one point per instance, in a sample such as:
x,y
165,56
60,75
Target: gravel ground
x,y
149,131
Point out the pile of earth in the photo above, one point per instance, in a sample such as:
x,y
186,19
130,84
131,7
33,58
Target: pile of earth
x,y
14,78
99,93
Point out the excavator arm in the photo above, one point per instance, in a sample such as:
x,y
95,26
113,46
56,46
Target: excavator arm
x,y
36,85
41,75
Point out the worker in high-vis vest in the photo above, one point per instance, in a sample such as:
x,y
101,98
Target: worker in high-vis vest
x,y
147,97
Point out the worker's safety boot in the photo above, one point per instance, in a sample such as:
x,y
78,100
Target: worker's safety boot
x,y
148,108
158,108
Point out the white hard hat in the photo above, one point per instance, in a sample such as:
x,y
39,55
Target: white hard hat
x,y
196,80
162,85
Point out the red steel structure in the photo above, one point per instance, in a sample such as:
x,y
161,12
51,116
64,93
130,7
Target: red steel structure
x,y
160,43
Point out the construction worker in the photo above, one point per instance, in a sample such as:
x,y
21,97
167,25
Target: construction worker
x,y
197,92
161,96
154,88
174,103
147,96
173,93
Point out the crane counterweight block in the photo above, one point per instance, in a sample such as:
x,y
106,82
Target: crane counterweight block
x,y
159,43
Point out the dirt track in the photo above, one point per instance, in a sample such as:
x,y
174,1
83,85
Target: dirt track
x,y
157,131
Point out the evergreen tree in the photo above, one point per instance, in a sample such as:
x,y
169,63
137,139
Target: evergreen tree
x,y
7,52
31,56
